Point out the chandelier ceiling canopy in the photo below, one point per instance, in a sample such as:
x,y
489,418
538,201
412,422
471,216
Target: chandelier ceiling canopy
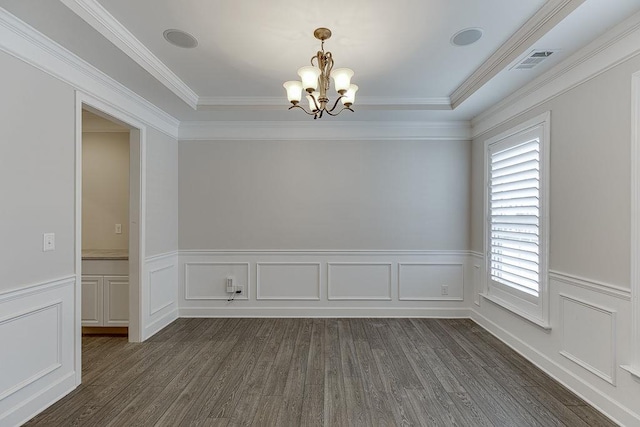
x,y
316,81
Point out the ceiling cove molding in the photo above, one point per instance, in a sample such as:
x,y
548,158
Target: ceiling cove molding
x,y
612,48
25,43
324,131
102,21
550,14
363,103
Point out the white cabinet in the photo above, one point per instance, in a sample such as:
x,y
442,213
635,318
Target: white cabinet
x,y
105,300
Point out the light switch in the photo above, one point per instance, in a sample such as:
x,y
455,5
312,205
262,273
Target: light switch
x,y
48,242
118,228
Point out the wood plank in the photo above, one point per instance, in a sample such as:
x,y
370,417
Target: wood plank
x,y
281,372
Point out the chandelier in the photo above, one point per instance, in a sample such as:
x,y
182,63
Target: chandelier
x,y
316,82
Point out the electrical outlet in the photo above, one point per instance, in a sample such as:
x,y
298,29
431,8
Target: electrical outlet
x,y
48,242
445,290
118,228
230,285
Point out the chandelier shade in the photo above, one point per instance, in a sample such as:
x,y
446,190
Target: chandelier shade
x,y
294,91
316,81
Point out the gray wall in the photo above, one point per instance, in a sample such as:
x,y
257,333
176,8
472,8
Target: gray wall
x,y
162,193
324,195
590,177
36,175
105,190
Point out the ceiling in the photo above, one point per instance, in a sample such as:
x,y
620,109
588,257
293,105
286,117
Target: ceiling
x,y
405,65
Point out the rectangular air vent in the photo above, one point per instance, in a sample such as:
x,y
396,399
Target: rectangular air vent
x,y
533,59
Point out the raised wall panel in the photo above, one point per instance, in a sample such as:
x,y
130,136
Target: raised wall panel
x,y
116,300
36,339
92,307
288,281
359,281
207,280
589,336
424,281
162,288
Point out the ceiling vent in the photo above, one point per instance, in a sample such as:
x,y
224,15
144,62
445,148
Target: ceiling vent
x,y
534,59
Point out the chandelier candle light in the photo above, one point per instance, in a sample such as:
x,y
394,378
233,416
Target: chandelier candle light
x,y
317,77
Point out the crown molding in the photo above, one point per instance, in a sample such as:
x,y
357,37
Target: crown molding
x,y
94,14
324,131
614,47
363,103
550,14
25,43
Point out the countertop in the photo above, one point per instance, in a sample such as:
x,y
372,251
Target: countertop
x,y
105,254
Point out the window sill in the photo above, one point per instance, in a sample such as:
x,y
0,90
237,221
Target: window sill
x,y
515,310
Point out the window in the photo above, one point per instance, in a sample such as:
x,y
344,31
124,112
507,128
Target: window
x,y
516,219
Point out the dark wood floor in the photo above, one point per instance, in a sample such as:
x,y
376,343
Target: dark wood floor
x,y
332,372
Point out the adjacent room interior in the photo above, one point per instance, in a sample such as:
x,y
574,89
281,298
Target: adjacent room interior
x,y
447,234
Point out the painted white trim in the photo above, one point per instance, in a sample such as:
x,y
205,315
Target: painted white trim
x,y
341,252
324,131
611,379
94,14
57,304
241,103
522,40
318,298
161,256
635,225
186,297
614,47
330,297
507,298
35,288
635,373
328,312
475,254
154,327
579,386
56,294
39,401
439,298
24,42
150,271
592,285
137,303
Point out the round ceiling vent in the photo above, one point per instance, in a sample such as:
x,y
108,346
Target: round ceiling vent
x,y
180,38
466,37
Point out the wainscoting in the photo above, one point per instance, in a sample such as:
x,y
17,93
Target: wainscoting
x,y
324,283
161,306
586,343
38,366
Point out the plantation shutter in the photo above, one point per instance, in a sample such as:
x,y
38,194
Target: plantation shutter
x,y
515,216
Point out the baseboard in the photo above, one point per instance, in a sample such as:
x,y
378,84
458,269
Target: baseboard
x,y
39,402
603,403
330,312
159,324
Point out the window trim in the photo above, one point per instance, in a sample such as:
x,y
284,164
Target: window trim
x,y
535,310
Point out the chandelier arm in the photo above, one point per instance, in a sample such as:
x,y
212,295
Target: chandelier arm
x,y
336,103
303,109
315,102
343,108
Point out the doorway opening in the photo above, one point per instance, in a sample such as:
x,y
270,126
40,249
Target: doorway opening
x,y
105,226
109,222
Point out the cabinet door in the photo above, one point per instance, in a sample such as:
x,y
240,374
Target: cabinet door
x,y
116,300
92,296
